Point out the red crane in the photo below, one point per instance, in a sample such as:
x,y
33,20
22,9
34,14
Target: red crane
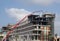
x,y
15,26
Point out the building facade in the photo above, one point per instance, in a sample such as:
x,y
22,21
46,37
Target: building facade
x,y
1,35
35,28
56,38
4,30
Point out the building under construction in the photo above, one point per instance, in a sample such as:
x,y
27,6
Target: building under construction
x,y
35,28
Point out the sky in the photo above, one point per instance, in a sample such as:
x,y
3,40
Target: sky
x,y
12,11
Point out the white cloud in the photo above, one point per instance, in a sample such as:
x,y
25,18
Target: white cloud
x,y
39,2
20,13
16,13
57,23
44,2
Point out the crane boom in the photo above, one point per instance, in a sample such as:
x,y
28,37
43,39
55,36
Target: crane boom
x,y
15,26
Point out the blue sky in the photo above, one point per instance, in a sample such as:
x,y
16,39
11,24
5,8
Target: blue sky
x,y
8,9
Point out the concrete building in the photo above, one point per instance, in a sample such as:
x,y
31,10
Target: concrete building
x,y
1,34
5,29
35,28
56,38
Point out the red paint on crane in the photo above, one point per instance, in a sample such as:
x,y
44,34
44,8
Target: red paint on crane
x,y
15,26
